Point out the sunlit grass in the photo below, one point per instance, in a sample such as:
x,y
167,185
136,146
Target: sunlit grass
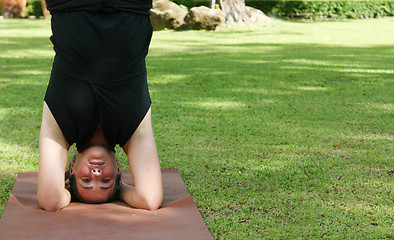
x,y
282,132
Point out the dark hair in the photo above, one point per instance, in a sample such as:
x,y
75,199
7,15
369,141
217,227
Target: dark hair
x,y
71,186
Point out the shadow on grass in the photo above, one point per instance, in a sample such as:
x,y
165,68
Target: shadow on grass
x,y
307,82
25,66
280,133
263,134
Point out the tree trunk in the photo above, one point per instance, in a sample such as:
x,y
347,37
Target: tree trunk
x,y
47,14
234,10
213,4
13,8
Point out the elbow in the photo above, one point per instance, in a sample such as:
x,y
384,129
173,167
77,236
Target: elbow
x,y
48,206
153,206
52,204
152,203
149,200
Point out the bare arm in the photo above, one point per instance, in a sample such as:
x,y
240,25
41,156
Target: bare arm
x,y
53,154
145,169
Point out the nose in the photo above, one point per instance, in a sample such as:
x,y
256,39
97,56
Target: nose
x,y
96,171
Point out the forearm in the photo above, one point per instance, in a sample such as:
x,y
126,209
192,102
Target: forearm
x,y
53,154
141,151
129,195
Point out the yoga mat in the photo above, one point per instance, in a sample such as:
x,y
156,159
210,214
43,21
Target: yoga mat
x,y
177,218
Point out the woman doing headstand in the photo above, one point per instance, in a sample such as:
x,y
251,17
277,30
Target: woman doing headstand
x,y
97,97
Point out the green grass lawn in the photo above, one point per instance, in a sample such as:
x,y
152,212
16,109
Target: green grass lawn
x,y
282,132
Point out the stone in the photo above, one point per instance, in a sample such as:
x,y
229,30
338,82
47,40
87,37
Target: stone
x,y
204,18
258,17
167,15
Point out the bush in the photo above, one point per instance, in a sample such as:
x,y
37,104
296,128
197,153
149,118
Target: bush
x,y
33,8
264,5
305,9
314,9
333,9
193,3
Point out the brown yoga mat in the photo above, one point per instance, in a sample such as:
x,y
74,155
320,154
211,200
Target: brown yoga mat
x,y
177,218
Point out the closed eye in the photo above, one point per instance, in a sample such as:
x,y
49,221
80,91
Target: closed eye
x,y
86,180
106,180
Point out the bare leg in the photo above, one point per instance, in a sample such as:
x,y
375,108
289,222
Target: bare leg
x,y
145,168
53,154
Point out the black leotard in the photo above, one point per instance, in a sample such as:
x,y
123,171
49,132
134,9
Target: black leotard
x,y
135,6
99,73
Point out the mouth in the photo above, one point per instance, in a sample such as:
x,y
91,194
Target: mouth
x,y
96,163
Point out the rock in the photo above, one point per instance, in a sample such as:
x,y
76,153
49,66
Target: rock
x,y
167,15
204,18
13,8
257,16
